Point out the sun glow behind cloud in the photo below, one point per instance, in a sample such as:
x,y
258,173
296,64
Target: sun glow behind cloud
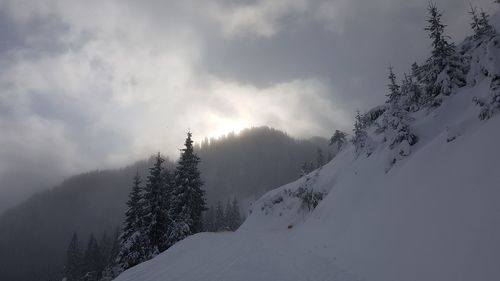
x,y
221,125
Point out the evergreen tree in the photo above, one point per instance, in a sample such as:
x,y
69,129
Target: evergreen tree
x,y
444,70
397,122
227,215
188,201
475,20
106,246
115,248
320,159
157,219
74,262
480,23
234,220
411,94
394,88
416,71
484,23
396,119
133,243
360,136
209,221
113,268
219,217
93,258
490,105
442,49
338,138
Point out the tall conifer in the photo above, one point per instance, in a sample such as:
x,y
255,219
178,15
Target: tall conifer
x,y
133,242
188,198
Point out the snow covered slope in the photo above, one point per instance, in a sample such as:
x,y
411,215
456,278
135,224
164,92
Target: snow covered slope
x,y
434,215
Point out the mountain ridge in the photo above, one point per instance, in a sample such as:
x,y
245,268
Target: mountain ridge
x,y
39,229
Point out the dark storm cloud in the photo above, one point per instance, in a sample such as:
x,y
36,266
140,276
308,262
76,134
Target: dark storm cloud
x,y
94,84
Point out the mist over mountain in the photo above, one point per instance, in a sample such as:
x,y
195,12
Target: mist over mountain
x,y
35,234
248,164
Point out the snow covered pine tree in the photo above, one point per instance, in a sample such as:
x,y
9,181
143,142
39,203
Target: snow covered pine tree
x,y
444,71
157,219
188,197
396,120
132,240
360,136
338,138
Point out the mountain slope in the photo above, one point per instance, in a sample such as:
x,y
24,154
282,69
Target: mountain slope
x,y
432,215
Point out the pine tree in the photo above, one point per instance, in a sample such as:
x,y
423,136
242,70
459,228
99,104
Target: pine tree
x,y
105,244
133,243
484,22
188,200
394,88
475,20
227,215
444,70
112,268
320,159
480,23
219,217
235,217
209,220
411,94
490,105
398,127
416,71
441,47
157,219
338,138
93,259
396,119
115,248
360,135
74,262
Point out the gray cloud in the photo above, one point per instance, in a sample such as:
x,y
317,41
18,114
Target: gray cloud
x,y
93,84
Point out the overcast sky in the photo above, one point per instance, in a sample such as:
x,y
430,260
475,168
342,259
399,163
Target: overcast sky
x,y
96,84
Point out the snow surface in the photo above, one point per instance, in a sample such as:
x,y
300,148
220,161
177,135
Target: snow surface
x,y
435,215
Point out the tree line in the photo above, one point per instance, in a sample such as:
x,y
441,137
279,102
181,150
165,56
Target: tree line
x,y
426,86
219,218
309,166
161,212
91,262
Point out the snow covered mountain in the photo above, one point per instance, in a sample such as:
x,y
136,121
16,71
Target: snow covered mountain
x,y
429,212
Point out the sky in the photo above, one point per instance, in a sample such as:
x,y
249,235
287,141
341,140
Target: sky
x,y
93,84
